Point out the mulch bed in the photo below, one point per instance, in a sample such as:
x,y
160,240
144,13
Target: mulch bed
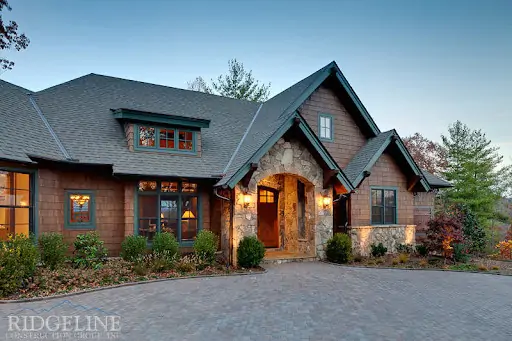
x,y
484,265
66,280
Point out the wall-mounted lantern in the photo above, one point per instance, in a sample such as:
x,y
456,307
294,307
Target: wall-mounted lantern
x,y
326,201
247,198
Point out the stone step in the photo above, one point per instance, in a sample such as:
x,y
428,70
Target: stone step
x,y
296,259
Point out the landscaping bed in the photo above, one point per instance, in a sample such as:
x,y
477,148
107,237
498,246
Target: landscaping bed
x,y
402,261
67,279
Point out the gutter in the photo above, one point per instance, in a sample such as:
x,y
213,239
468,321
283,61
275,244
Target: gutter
x,y
50,129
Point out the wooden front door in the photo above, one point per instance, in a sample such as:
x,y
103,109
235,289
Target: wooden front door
x,y
268,231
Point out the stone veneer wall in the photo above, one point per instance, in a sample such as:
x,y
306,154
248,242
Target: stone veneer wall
x,y
390,236
288,158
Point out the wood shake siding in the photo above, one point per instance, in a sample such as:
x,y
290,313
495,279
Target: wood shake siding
x,y
347,137
385,173
109,205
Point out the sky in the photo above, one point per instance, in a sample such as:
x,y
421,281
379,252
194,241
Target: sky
x,y
417,65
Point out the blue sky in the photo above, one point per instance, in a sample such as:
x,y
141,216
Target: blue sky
x,y
416,65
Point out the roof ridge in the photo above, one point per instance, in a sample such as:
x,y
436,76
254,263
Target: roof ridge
x,y
17,87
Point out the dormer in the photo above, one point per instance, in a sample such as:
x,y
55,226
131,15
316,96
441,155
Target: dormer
x,y
156,132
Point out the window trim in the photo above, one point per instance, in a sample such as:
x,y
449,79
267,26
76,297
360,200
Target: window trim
x,y
180,195
34,190
331,118
384,188
68,225
157,147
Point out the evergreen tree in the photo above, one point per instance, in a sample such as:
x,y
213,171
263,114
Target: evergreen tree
x,y
238,83
475,169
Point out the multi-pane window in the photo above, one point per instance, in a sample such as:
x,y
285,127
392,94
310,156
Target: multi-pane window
x,y
325,126
16,204
383,206
165,139
79,209
168,206
266,196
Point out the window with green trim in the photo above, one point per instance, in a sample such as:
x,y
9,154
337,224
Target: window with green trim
x,y
325,126
165,139
169,206
79,207
384,209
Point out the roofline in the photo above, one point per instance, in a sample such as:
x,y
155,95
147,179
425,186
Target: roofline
x,y
159,118
373,160
410,161
240,173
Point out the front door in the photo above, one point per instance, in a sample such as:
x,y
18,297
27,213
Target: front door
x,y
268,232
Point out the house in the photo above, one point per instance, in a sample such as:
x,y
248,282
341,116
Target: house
x,y
124,157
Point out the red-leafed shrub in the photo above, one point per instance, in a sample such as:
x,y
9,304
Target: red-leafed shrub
x,y
444,230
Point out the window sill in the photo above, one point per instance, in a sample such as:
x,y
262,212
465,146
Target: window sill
x,y
73,227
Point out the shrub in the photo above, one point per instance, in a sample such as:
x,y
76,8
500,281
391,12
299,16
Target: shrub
x,y
358,258
165,243
187,264
90,251
444,230
250,252
505,249
405,248
53,249
495,267
339,248
422,250
473,232
18,261
423,263
155,261
133,247
460,253
482,267
403,258
395,261
378,250
205,246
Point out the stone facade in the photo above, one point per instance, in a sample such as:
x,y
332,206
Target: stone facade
x,y
390,236
279,168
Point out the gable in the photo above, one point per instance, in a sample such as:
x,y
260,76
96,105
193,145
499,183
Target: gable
x,y
347,135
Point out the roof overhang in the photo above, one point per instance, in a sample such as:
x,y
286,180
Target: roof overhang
x,y
330,165
124,114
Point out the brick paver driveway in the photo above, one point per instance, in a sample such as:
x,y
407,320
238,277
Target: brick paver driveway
x,y
310,301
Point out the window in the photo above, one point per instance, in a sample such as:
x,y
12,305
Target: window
x,y
383,203
266,196
79,206
169,206
16,203
325,126
166,139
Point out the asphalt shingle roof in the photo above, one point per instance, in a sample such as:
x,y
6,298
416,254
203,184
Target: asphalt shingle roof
x,y
361,160
22,132
79,112
435,181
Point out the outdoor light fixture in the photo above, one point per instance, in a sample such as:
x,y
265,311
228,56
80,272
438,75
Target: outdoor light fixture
x,y
327,201
247,199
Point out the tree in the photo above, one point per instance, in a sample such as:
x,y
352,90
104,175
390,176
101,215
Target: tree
x,y
474,168
9,37
238,83
428,154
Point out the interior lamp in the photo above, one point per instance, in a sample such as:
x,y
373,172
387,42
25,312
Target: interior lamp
x,y
188,215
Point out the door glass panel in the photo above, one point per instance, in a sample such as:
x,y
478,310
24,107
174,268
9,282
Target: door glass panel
x,y
169,215
189,218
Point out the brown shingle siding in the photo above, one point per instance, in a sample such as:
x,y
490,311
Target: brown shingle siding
x,y
385,173
348,138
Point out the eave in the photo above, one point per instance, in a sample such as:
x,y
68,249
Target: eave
x,y
124,114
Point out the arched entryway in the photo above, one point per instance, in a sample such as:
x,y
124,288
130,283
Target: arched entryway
x,y
285,214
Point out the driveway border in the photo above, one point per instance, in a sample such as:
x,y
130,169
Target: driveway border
x,y
414,269
128,284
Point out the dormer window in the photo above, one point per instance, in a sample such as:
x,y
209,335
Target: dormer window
x,y
167,139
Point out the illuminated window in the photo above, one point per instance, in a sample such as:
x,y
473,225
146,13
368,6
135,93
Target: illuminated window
x,y
146,136
80,209
266,196
172,206
165,139
16,204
